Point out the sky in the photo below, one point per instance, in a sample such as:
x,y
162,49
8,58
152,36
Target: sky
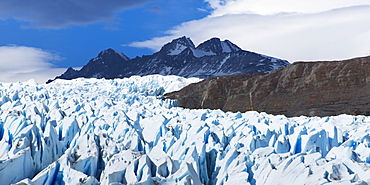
x,y
41,39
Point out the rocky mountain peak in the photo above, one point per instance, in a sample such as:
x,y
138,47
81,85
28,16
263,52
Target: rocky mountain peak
x,y
112,54
213,46
179,57
216,46
70,71
178,45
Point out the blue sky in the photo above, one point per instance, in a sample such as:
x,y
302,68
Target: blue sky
x,y
40,39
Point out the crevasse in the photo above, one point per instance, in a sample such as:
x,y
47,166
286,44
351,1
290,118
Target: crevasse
x,y
89,131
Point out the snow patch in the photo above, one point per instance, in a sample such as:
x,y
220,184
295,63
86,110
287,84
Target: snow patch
x,y
225,47
177,50
199,53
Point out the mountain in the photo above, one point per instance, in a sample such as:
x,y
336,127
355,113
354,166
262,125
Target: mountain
x,y
302,88
180,57
76,132
103,66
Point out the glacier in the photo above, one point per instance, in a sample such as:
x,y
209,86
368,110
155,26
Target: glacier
x,y
122,131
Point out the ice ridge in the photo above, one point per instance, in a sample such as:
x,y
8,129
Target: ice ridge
x,y
89,131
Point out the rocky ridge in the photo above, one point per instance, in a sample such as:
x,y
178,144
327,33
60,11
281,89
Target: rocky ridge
x,y
180,57
303,88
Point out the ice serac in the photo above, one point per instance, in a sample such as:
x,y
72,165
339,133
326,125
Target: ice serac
x,y
181,57
303,88
122,131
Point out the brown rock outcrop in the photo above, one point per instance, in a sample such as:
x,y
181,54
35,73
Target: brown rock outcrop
x,y
302,88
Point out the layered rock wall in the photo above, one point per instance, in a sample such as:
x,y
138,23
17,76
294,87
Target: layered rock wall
x,y
303,88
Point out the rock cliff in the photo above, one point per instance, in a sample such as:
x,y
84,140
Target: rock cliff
x,y
302,88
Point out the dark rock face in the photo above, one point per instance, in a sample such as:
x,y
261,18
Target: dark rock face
x,y
103,66
180,57
302,88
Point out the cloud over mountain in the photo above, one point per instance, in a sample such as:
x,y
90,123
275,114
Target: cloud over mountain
x,y
268,7
304,30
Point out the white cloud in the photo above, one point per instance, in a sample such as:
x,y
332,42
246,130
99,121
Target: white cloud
x,y
20,63
59,14
339,32
268,7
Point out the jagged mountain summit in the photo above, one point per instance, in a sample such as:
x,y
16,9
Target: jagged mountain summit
x,y
103,66
181,57
210,47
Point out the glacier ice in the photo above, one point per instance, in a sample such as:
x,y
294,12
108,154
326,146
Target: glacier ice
x,y
89,131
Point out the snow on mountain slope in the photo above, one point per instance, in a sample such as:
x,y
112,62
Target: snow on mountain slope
x,y
89,131
212,58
